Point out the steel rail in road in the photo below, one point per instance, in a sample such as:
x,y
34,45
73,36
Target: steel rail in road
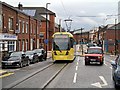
x,y
53,77
18,82
27,77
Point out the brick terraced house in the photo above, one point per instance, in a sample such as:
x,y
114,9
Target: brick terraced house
x,y
21,31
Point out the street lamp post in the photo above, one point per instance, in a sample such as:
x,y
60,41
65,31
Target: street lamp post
x,y
115,38
46,26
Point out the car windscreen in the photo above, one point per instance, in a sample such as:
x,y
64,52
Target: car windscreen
x,y
94,51
29,53
15,54
38,51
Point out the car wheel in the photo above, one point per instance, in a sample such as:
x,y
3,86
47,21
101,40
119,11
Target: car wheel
x,y
87,62
21,65
3,67
44,58
116,86
28,63
101,63
40,59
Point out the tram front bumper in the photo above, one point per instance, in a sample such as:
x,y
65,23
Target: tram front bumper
x,y
62,58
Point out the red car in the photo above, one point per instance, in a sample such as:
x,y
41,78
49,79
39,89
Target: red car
x,y
94,54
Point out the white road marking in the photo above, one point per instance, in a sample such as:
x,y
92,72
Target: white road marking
x,y
76,68
104,81
98,84
78,59
75,78
77,63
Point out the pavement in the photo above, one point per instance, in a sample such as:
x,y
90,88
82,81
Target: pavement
x,y
49,54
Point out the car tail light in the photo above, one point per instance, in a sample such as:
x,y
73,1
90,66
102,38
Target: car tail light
x,y
67,53
55,53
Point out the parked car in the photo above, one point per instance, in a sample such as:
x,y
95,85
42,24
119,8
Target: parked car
x,y
94,54
116,71
15,59
33,57
41,54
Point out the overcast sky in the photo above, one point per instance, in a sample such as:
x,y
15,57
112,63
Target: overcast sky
x,y
72,9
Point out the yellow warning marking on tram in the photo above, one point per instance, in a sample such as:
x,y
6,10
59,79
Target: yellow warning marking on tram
x,y
5,75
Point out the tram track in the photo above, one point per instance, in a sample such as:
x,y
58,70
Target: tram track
x,y
53,77
27,78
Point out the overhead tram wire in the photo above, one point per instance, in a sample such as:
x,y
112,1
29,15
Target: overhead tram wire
x,y
89,16
64,8
97,16
66,20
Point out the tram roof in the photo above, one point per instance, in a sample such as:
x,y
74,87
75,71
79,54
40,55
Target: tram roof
x,y
70,35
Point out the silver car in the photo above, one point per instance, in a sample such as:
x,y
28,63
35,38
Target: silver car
x,y
15,59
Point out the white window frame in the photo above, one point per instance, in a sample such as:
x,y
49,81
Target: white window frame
x,y
23,43
12,45
19,25
26,27
31,28
18,45
31,44
10,23
23,26
26,45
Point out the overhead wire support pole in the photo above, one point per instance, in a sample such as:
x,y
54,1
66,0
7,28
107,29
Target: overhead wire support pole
x,y
46,26
81,40
115,38
59,26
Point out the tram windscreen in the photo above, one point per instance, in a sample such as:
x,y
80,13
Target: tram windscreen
x,y
61,42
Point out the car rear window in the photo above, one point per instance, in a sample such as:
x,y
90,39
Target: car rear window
x,y
94,51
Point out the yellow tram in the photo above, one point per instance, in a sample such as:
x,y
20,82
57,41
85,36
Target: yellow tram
x,y
63,46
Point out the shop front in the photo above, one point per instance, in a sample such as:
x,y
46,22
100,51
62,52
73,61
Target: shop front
x,y
7,42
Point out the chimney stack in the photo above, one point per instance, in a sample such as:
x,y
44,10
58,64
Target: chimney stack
x,y
20,6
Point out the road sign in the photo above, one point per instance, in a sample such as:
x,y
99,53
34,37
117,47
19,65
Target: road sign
x,y
46,41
